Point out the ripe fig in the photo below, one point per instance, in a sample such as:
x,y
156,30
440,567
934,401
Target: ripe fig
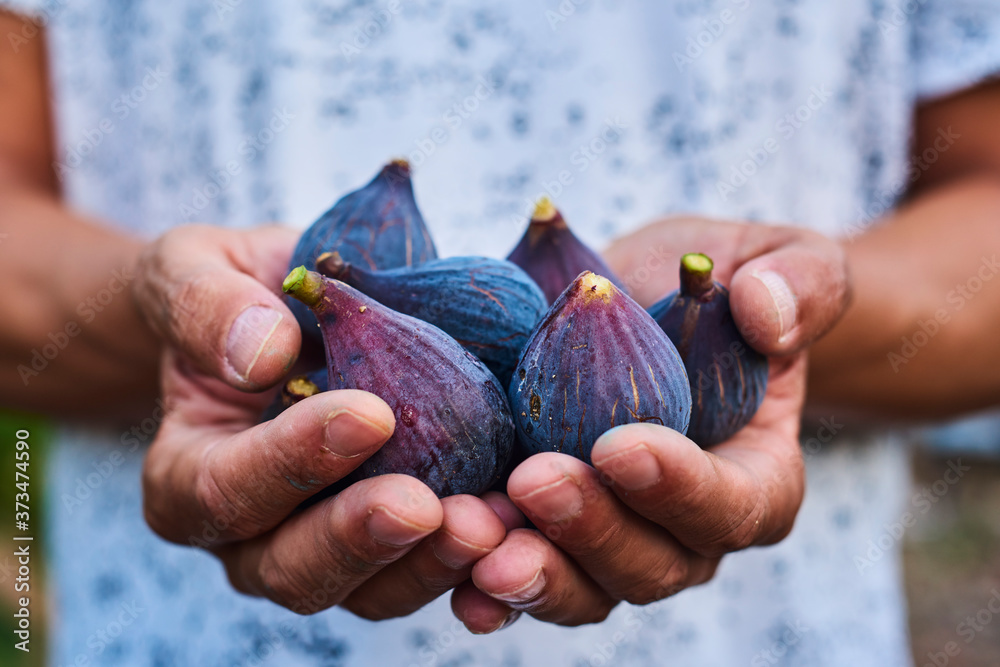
x,y
378,227
552,254
294,390
597,360
454,429
728,377
489,306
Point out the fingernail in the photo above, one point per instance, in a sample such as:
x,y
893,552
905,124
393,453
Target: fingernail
x,y
506,622
249,336
349,435
783,298
559,501
635,469
389,529
525,593
456,558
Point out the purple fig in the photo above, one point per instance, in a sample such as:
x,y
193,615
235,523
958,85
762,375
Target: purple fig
x,y
454,430
488,305
377,227
597,360
553,256
728,377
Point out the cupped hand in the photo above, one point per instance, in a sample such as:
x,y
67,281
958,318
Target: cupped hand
x,y
655,513
217,479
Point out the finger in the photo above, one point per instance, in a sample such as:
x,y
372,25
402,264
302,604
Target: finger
x,y
213,294
744,492
250,480
469,530
787,286
785,299
480,613
630,557
315,559
528,573
505,509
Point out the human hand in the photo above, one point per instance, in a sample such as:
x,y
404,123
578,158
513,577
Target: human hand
x,y
214,478
655,513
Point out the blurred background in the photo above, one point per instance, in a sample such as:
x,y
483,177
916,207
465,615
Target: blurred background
x,y
951,555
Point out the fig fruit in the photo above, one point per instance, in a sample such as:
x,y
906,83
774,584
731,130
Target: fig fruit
x,y
489,306
728,377
552,255
454,429
378,227
596,360
296,389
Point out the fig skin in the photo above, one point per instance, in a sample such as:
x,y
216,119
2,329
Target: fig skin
x,y
596,361
489,306
454,430
378,226
728,377
552,254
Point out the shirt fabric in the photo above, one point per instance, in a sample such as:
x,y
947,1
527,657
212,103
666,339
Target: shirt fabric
x,y
241,111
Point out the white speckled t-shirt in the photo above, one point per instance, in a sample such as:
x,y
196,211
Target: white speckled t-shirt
x,y
242,111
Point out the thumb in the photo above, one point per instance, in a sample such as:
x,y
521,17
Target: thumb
x,y
786,299
212,294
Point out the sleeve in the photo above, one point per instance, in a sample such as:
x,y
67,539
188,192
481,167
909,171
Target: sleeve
x,y
955,44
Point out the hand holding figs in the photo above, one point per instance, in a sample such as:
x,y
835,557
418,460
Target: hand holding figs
x,y
656,512
216,479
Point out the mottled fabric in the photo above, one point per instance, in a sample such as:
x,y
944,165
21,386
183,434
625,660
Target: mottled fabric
x,y
241,111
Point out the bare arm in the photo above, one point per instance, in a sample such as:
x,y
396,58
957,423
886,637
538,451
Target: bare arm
x,y
71,343
920,339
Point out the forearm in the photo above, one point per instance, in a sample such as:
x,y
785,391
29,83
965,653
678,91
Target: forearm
x,y
72,342
920,339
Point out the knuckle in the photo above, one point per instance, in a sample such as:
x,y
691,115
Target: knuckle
x,y
743,535
228,512
673,578
364,606
284,587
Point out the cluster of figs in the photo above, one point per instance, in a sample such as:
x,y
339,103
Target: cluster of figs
x,y
485,362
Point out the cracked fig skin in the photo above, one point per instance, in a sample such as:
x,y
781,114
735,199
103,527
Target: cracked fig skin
x,y
597,360
489,306
454,430
377,227
552,254
728,377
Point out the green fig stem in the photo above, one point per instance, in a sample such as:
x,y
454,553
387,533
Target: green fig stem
x,y
332,265
304,285
696,275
